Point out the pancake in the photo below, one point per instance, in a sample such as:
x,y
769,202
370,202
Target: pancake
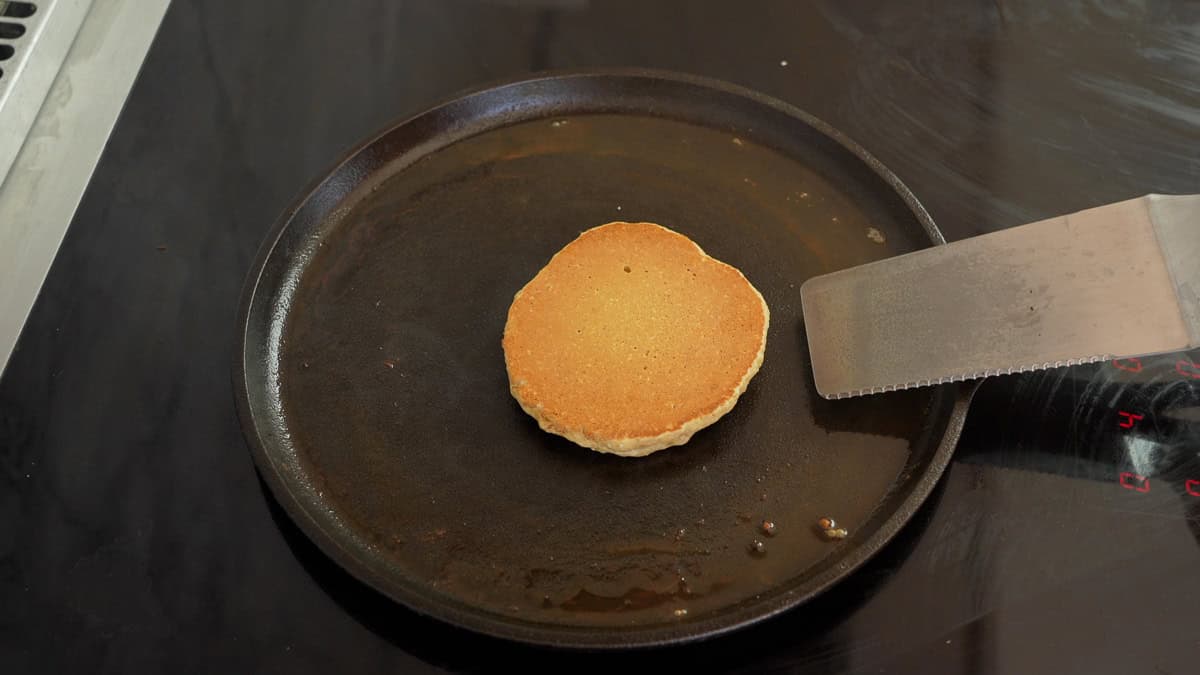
x,y
631,339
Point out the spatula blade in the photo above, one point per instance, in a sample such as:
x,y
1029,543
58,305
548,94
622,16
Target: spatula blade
x,y
1115,281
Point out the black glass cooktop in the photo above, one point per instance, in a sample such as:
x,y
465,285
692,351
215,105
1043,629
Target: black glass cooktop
x,y
1133,423
135,535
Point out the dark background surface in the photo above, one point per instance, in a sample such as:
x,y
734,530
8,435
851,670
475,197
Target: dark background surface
x,y
135,535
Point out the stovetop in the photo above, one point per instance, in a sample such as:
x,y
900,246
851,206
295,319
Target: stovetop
x,y
135,535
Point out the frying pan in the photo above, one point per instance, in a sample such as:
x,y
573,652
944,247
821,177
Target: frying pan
x,y
371,383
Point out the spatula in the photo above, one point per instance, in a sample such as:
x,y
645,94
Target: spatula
x,y
1116,281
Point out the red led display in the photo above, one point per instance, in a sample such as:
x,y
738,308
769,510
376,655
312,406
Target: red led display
x,y
1188,369
1192,487
1132,481
1129,365
1128,419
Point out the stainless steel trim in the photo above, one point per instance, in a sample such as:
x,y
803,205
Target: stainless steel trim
x,y
29,73
56,159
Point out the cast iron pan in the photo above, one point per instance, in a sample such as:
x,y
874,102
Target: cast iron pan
x,y
372,386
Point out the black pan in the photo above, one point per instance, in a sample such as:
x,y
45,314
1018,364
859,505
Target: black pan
x,y
372,387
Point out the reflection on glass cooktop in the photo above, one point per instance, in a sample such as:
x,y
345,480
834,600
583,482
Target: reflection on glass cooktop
x,y
1131,423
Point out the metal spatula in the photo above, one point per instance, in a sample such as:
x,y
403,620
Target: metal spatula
x,y
1115,281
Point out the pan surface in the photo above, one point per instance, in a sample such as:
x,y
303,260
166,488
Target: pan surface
x,y
372,387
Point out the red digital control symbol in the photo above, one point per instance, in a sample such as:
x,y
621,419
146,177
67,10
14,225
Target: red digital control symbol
x,y
1132,481
1192,487
1128,419
1129,365
1188,369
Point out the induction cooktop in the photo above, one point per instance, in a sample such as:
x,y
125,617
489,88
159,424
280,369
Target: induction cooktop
x,y
135,535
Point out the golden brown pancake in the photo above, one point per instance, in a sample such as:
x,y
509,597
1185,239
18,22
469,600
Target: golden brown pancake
x,y
632,339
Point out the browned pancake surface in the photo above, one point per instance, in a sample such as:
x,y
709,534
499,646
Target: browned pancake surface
x,y
631,339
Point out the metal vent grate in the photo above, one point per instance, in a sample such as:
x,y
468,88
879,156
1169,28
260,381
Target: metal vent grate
x,y
12,26
20,10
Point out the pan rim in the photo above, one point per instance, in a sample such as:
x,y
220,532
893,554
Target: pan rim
x,y
566,636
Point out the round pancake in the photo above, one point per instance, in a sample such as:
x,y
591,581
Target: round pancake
x,y
631,339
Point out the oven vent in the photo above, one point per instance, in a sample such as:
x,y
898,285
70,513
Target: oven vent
x,y
13,16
